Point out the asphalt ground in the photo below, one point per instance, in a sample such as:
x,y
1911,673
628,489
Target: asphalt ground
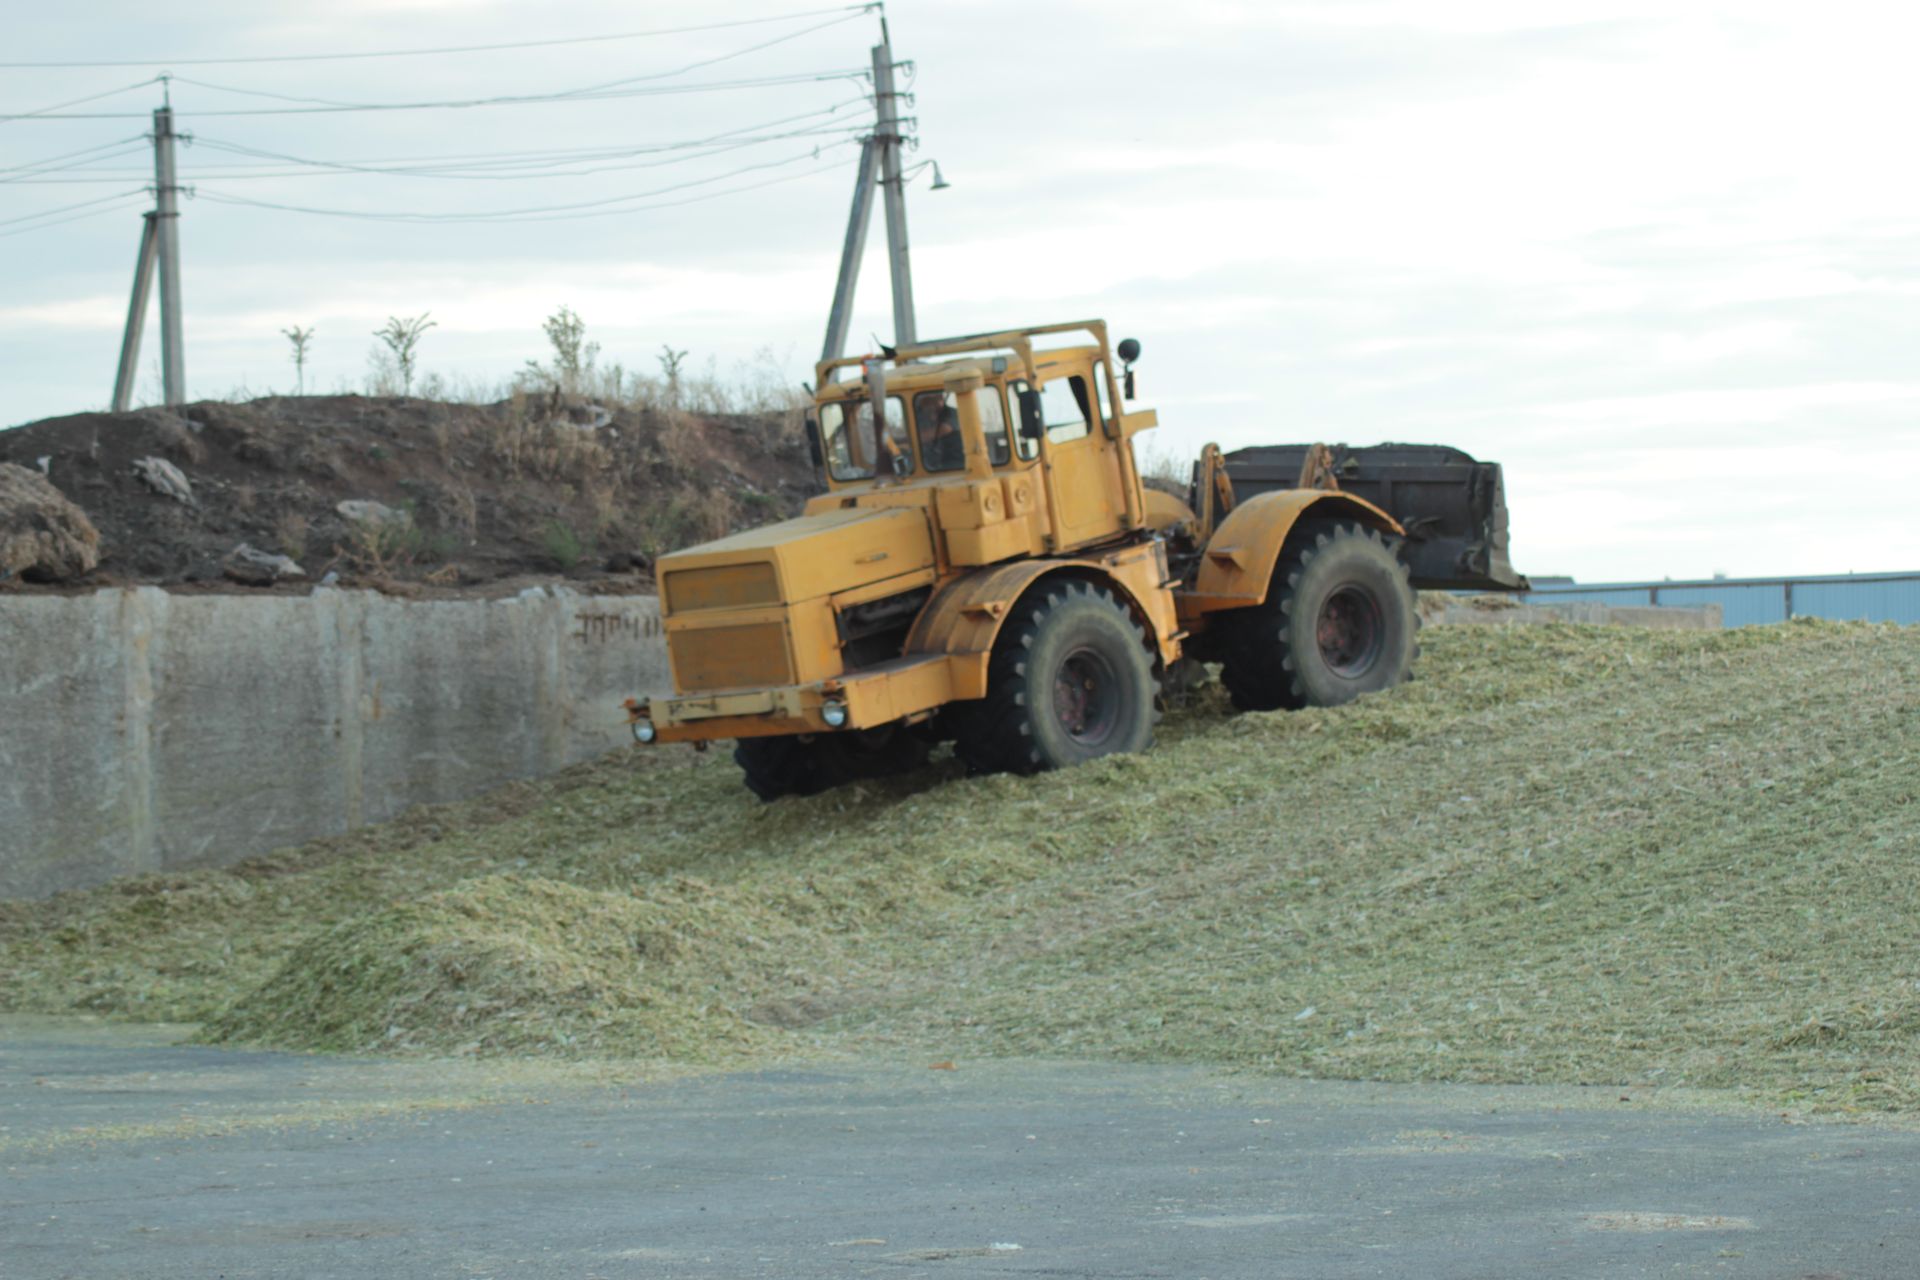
x,y
125,1154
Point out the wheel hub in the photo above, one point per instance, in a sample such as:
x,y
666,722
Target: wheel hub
x,y
1349,631
1086,696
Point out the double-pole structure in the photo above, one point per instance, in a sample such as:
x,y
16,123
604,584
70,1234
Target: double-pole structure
x,y
159,247
879,164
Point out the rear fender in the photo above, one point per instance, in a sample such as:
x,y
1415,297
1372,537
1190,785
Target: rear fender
x,y
1237,568
964,618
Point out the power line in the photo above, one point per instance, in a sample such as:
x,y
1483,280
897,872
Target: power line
x,y
853,10
549,163
44,112
563,217
531,170
619,161
78,217
29,217
585,91
505,165
545,157
532,213
80,158
508,100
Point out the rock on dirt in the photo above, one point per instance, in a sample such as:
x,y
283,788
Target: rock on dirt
x,y
164,479
375,515
258,568
483,496
43,537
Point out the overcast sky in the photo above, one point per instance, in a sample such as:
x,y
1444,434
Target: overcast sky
x,y
1660,259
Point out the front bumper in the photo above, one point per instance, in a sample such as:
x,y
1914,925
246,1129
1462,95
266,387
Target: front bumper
x,y
905,687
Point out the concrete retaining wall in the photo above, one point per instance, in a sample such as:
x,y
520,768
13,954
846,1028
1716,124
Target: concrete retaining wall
x,y
146,731
1507,613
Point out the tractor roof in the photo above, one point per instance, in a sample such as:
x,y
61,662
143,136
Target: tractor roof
x,y
919,375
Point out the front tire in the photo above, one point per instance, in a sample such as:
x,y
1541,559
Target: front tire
x,y
1339,622
1069,681
806,765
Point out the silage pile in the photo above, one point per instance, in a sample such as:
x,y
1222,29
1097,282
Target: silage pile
x,y
1562,855
508,963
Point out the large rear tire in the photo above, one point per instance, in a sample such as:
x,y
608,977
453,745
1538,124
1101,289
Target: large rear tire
x,y
807,764
1070,680
1339,622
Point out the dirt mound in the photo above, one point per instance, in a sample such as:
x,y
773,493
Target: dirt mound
x,y
1564,855
488,492
43,537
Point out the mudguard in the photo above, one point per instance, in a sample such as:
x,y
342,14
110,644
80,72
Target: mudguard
x,y
1237,567
964,619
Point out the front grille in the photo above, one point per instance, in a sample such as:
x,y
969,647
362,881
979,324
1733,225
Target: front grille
x,y
721,586
748,657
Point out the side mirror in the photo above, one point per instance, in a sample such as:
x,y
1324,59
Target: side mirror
x,y
1128,351
1033,423
813,443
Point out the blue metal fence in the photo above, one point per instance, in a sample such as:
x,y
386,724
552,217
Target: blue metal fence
x,y
1870,597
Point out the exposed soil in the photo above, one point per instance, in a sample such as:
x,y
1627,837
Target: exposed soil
x,y
491,494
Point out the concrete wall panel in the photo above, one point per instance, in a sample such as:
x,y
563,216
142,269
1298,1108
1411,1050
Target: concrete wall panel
x,y
245,721
75,798
145,731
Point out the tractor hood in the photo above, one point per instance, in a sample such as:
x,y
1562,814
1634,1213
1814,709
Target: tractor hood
x,y
799,559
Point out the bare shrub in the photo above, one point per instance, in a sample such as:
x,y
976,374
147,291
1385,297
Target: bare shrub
x,y
564,544
715,512
602,502
759,384
440,429
290,532
671,364
571,370
461,508
177,439
301,340
678,434
1162,470
401,336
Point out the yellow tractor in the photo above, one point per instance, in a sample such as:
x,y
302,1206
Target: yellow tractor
x,y
986,567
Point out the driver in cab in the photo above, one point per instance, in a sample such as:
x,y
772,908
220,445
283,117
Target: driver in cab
x,y
940,445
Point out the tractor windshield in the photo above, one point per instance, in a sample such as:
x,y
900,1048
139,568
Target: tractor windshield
x,y
846,433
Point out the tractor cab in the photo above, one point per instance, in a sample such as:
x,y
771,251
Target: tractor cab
x,y
982,416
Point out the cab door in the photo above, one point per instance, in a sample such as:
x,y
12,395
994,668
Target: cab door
x,y
1086,474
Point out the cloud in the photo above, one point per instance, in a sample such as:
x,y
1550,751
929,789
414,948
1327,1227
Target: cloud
x,y
1660,260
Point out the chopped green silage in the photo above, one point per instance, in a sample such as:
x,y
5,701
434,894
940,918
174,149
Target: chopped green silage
x,y
1561,855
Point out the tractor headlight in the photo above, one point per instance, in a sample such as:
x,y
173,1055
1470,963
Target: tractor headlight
x,y
643,731
834,713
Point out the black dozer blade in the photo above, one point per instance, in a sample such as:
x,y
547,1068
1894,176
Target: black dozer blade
x,y
1454,508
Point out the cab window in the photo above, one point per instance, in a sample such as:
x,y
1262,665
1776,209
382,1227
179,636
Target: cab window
x,y
846,434
1065,408
1028,448
1100,393
936,429
993,424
